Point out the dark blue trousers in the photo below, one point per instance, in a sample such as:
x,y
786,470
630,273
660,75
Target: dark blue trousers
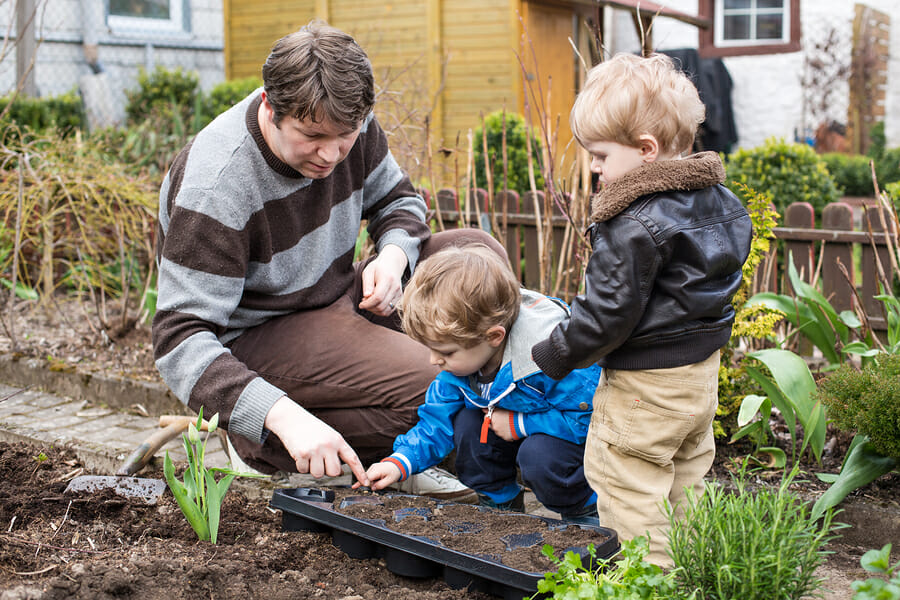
x,y
551,467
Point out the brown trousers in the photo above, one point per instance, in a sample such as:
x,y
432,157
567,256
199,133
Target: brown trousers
x,y
354,370
650,438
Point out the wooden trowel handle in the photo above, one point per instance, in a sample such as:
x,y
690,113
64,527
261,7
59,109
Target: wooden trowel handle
x,y
144,453
166,420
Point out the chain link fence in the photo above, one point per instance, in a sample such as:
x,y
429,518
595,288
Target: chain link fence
x,y
97,48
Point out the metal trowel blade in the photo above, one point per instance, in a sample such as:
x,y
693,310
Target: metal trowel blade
x,y
148,490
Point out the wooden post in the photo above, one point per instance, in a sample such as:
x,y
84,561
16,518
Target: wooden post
x,y
530,233
838,216
26,47
802,215
870,279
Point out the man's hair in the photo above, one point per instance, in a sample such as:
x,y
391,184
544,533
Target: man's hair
x,y
457,294
628,96
317,73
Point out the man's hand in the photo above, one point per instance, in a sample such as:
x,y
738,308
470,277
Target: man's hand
x,y
382,281
500,424
316,447
381,475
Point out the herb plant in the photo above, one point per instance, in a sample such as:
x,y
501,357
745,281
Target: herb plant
x,y
874,588
629,577
748,544
200,496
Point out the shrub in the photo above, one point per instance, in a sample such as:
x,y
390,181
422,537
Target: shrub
x,y
851,173
167,93
225,95
65,113
748,544
516,153
887,167
789,172
867,401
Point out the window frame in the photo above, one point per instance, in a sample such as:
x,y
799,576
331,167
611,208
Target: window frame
x,y
175,24
711,44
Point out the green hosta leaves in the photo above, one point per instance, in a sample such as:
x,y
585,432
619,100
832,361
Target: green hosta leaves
x,y
862,465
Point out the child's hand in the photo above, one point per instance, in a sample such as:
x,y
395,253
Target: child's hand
x,y
381,475
501,424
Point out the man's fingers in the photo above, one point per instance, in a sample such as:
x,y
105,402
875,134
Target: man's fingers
x,y
356,467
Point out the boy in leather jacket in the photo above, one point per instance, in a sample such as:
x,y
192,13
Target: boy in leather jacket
x,y
490,401
668,243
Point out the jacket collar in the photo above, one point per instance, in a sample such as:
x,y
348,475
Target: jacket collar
x,y
694,172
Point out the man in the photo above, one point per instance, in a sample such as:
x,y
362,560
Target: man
x,y
262,315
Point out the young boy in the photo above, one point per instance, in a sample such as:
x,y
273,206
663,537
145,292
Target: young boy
x,y
490,401
668,244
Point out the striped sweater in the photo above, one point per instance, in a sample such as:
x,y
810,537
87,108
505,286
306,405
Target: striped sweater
x,y
243,237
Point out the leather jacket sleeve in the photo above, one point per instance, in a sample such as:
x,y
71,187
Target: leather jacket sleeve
x,y
618,287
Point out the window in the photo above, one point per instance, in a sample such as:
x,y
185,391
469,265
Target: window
x,y
150,16
750,27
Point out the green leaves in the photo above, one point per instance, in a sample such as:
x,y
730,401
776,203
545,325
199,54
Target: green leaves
x,y
862,465
625,576
199,495
878,561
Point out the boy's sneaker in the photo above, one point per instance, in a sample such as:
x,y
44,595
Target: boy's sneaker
x,y
586,516
436,483
517,504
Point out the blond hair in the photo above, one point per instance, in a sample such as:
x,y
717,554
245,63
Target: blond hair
x,y
629,96
457,294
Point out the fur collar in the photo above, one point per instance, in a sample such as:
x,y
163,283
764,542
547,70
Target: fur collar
x,y
694,172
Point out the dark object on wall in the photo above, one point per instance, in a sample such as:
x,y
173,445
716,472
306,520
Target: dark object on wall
x,y
718,132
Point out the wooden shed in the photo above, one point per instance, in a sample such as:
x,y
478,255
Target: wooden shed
x,y
452,61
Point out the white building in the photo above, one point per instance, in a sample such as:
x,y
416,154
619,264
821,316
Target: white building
x,y
771,45
98,46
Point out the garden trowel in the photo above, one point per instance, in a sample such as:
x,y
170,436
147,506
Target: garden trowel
x,y
141,488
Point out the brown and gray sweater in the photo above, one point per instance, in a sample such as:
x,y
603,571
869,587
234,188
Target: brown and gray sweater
x,y
243,237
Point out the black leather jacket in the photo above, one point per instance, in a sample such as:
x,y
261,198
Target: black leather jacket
x,y
668,245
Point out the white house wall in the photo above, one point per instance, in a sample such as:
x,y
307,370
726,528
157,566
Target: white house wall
x,y
61,64
767,95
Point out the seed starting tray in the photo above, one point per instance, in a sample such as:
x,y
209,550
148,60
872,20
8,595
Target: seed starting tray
x,y
312,509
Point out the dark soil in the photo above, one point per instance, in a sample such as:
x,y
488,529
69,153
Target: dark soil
x,y
97,546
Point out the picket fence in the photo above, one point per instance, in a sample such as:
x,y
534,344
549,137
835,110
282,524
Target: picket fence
x,y
851,226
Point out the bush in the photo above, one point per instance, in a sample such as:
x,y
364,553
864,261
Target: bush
x,y
851,173
867,401
166,93
748,544
516,153
65,113
225,95
789,172
887,167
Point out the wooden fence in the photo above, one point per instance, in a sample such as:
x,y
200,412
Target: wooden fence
x,y
849,228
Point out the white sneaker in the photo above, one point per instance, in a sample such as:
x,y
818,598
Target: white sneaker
x,y
436,483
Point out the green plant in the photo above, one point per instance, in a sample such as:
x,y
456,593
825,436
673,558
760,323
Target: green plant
x,y
200,495
162,92
867,401
887,167
851,172
225,95
862,465
748,544
789,172
789,386
812,316
751,322
874,588
516,160
625,576
63,113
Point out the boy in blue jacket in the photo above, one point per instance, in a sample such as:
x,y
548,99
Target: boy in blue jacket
x,y
491,401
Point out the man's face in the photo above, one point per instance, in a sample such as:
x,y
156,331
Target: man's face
x,y
312,148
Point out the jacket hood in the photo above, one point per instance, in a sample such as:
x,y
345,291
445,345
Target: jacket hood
x,y
694,172
538,316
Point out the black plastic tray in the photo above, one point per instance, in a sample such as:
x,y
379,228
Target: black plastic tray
x,y
312,509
